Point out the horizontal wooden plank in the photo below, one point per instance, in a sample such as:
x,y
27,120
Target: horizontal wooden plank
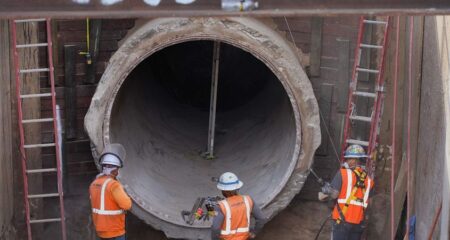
x,y
81,112
109,24
105,45
72,146
295,24
80,35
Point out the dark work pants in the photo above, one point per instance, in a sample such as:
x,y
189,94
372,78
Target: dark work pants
x,y
347,231
115,238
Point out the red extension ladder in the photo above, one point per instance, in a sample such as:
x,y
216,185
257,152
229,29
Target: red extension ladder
x,y
19,72
355,93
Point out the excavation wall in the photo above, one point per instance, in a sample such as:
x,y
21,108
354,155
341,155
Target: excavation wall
x,y
432,181
327,44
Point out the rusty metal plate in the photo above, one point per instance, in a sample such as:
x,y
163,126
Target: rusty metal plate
x,y
169,8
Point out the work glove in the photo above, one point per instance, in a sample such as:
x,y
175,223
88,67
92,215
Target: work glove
x,y
326,188
323,197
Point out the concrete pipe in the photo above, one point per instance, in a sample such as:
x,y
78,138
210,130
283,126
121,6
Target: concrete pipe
x,y
154,98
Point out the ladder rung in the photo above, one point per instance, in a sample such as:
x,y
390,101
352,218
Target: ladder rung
x,y
43,170
36,95
353,141
39,145
374,22
30,20
46,220
32,45
34,70
361,118
365,94
45,195
367,70
37,120
370,46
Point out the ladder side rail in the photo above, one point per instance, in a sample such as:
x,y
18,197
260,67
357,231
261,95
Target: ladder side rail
x,y
380,83
55,126
17,74
379,100
352,87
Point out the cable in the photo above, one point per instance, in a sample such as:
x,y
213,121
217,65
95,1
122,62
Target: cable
x,y
321,226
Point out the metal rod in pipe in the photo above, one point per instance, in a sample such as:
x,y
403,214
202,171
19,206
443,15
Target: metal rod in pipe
x,y
213,102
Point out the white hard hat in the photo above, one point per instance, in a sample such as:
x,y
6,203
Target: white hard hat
x,y
229,182
111,159
116,150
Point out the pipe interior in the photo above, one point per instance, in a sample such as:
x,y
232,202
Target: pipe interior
x,y
161,116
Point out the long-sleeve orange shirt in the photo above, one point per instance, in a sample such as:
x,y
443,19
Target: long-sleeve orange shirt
x,y
109,226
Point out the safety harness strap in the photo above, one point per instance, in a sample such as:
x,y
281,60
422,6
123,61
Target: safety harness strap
x,y
352,199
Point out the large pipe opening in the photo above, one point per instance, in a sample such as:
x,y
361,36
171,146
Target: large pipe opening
x,y
161,116
154,98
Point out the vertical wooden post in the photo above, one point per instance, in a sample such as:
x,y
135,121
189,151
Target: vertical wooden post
x,y
31,108
316,46
325,103
6,156
70,94
343,75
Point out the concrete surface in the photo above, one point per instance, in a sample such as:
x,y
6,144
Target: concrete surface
x,y
266,132
432,162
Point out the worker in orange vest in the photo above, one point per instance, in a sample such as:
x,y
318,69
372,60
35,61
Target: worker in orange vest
x,y
233,214
109,201
351,186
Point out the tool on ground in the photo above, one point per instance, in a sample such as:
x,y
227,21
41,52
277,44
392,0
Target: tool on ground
x,y
359,96
20,72
202,209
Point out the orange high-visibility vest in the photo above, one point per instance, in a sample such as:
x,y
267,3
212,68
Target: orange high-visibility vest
x,y
108,218
355,209
236,211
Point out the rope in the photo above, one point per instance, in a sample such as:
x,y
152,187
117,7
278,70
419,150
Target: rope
x,y
320,112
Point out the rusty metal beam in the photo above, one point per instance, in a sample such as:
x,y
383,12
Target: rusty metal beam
x,y
168,8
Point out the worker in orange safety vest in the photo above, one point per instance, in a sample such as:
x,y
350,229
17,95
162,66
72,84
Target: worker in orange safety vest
x,y
351,186
109,201
233,214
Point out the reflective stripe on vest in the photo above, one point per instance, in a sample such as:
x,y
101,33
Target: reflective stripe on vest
x,y
349,190
228,230
102,210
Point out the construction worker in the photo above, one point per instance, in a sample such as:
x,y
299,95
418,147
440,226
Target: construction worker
x,y
232,218
108,198
351,186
